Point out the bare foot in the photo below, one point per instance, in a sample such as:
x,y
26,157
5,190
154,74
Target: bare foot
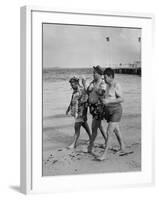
x,y
101,158
121,151
71,146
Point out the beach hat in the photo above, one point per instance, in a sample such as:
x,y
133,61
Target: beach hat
x,y
98,69
74,79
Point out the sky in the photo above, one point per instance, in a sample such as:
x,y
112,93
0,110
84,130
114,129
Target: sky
x,y
85,46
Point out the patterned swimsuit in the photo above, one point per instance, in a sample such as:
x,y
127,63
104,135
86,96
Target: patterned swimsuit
x,y
95,106
79,105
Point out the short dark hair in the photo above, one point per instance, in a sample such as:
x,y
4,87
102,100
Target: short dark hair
x,y
109,72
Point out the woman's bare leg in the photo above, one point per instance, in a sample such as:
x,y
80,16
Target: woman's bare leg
x,y
119,137
86,127
110,130
95,126
77,127
103,133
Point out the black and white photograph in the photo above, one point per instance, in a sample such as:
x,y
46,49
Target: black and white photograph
x,y
91,99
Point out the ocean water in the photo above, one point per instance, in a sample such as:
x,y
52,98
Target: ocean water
x,y
63,74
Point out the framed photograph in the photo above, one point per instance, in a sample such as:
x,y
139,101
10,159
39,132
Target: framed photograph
x,y
86,100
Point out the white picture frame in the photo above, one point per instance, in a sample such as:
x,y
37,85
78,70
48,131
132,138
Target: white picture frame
x,y
31,102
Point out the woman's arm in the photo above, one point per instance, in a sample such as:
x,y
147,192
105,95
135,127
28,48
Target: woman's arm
x,y
90,87
68,110
69,107
119,96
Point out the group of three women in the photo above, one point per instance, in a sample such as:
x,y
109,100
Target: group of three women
x,y
103,97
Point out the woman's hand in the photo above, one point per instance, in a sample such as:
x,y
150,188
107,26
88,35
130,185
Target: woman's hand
x,y
91,86
105,101
76,115
83,81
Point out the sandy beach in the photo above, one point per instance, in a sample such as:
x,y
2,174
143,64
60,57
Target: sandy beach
x,y
58,131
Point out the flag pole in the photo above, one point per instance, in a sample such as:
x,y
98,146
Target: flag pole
x,y
109,49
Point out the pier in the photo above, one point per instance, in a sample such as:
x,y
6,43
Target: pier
x,y
127,68
136,71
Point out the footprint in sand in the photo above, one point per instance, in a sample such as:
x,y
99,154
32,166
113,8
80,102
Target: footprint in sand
x,y
60,150
54,161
